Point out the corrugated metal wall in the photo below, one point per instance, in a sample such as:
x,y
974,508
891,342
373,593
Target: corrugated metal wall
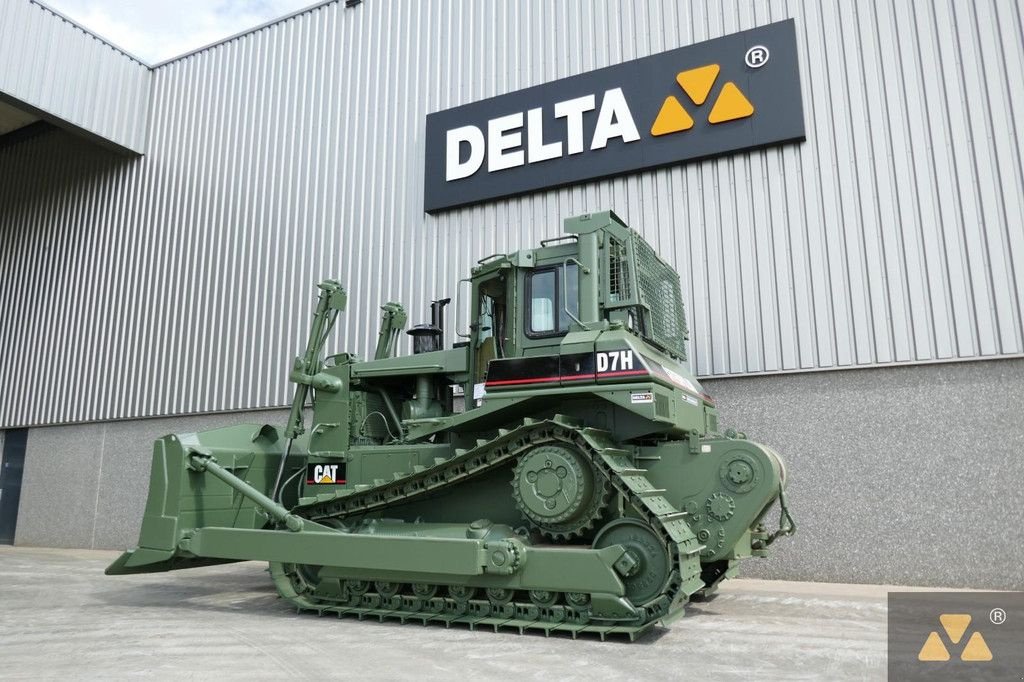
x,y
183,281
49,63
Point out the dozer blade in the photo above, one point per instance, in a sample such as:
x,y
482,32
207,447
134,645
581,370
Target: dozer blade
x,y
182,498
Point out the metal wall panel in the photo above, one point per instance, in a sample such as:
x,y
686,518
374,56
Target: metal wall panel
x,y
182,281
51,64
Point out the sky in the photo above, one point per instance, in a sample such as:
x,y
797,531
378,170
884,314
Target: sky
x,y
156,30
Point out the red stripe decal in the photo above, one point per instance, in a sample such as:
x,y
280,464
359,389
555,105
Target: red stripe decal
x,y
575,377
626,373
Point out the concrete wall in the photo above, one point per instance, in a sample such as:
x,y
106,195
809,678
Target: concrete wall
x,y
905,475
908,476
85,484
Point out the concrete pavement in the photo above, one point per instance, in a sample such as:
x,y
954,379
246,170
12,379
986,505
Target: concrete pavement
x,y
60,617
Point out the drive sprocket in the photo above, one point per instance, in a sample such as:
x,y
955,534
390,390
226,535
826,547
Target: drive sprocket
x,y
558,490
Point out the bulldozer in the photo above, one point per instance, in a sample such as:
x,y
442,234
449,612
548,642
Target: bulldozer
x,y
557,469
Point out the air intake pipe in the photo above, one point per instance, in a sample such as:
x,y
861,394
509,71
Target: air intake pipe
x,y
437,316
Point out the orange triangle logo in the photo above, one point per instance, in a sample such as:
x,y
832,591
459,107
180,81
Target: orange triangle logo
x,y
933,649
955,625
697,82
976,649
672,118
730,105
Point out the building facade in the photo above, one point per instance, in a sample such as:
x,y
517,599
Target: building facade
x,y
162,228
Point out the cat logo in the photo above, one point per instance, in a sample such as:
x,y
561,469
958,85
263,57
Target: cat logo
x,y
319,474
730,105
955,625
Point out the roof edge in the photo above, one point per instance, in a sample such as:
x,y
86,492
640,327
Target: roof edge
x,y
209,46
241,34
83,29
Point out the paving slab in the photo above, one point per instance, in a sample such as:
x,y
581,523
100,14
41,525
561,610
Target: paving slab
x,y
61,618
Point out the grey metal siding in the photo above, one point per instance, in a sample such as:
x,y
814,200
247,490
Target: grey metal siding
x,y
52,65
182,281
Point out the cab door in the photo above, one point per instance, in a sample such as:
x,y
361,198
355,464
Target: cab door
x,y
492,333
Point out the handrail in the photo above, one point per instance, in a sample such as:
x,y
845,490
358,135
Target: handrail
x,y
404,368
458,306
565,289
563,238
491,257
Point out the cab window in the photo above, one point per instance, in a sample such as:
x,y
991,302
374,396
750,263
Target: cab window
x,y
546,314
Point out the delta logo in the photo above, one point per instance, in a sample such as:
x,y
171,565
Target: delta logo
x,y
320,474
955,626
519,139
721,96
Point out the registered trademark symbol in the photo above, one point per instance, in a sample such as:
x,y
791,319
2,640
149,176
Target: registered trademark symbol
x,y
757,56
997,616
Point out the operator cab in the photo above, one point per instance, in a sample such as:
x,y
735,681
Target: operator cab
x,y
599,276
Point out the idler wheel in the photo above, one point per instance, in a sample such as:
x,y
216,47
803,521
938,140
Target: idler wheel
x,y
558,489
306,578
645,566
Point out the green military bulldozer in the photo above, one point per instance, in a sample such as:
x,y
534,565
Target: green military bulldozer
x,y
558,469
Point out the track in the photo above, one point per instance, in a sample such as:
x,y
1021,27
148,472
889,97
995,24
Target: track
x,y
501,608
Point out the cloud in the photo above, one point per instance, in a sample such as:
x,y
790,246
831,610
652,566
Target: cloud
x,y
156,30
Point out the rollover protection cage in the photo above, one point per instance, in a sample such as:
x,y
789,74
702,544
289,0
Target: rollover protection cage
x,y
657,298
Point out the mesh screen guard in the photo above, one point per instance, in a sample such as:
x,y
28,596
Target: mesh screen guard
x,y
660,294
